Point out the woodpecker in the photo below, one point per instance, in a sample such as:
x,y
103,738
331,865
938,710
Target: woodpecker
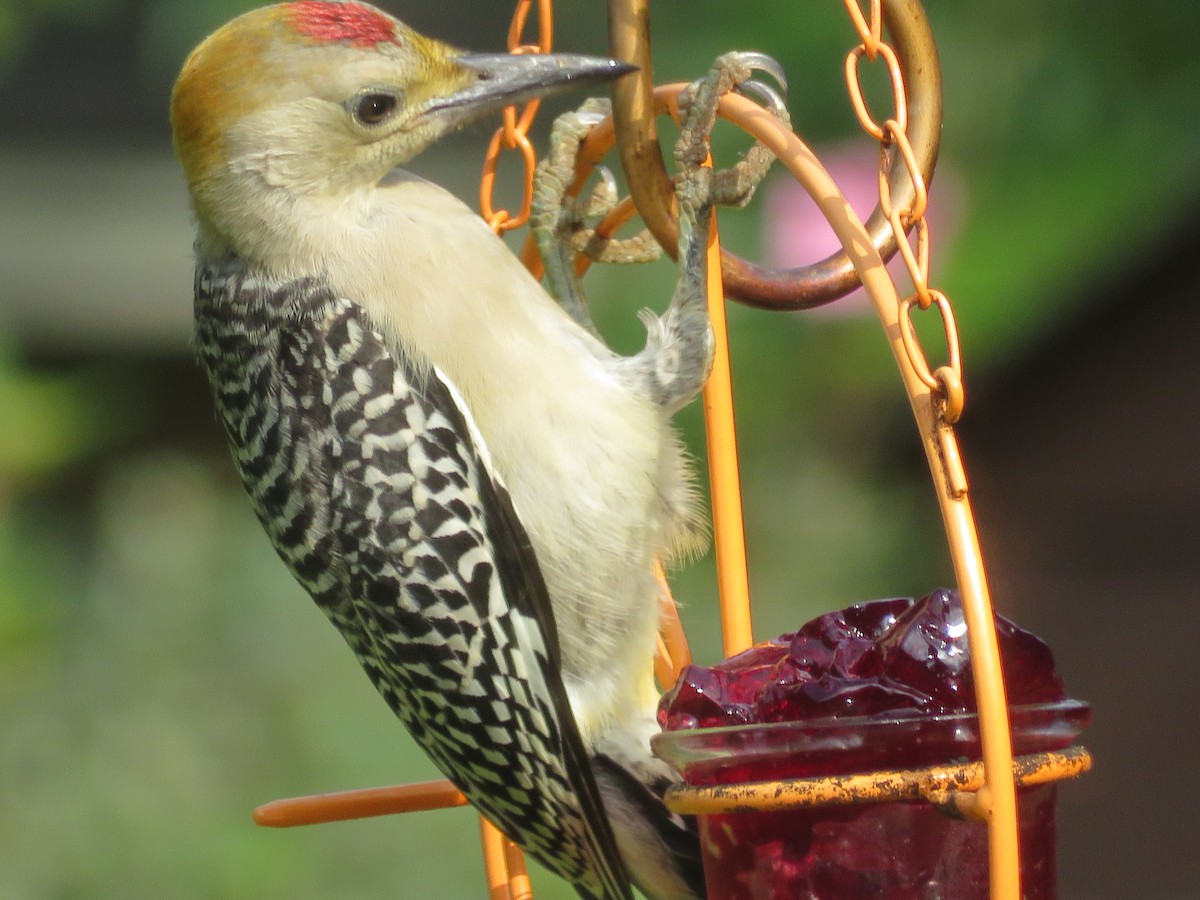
x,y
470,484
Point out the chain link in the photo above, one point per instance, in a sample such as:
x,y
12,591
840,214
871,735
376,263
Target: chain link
x,y
945,382
895,135
899,103
869,32
513,135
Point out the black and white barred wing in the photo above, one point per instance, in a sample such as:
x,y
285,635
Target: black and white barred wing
x,y
450,612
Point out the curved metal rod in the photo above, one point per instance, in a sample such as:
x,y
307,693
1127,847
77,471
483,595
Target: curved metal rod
x,y
641,156
943,786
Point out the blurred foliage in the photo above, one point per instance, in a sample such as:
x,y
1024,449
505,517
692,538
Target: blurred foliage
x,y
160,674
50,422
169,674
22,20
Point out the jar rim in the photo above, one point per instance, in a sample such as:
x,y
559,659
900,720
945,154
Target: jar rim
x,y
899,717
1060,722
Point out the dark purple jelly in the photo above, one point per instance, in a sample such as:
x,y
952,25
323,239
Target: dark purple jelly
x,y
879,685
876,657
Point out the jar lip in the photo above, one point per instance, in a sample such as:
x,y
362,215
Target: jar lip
x,y
1075,710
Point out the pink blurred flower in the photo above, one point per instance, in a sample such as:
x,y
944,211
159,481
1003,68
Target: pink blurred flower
x,y
796,233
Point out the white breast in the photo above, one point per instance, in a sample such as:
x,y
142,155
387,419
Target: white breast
x,y
579,449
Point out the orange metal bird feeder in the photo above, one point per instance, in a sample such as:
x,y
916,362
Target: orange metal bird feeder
x,y
986,790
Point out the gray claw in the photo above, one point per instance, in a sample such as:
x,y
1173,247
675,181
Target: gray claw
x,y
593,112
604,195
753,59
770,97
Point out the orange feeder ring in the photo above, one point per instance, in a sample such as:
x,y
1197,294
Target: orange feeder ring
x,y
984,790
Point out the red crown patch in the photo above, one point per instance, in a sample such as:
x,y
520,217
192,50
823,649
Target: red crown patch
x,y
354,23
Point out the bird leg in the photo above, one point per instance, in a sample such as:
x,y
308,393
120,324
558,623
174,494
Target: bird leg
x,y
558,220
679,345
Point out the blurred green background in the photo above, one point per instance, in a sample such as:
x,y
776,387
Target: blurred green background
x,y
160,674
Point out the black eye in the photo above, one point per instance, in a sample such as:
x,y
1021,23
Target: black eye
x,y
374,108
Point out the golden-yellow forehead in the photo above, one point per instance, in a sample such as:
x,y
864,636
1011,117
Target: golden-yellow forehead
x,y
212,88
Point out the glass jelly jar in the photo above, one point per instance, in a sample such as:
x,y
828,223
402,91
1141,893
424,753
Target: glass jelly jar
x,y
902,850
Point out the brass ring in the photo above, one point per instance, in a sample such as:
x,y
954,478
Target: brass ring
x,y
641,156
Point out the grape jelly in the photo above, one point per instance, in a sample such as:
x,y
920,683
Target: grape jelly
x,y
880,685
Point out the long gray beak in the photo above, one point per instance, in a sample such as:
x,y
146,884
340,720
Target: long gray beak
x,y
505,79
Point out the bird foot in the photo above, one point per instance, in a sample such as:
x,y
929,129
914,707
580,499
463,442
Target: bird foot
x,y
552,208
560,221
698,107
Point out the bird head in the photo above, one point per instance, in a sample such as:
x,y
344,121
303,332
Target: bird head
x,y
317,98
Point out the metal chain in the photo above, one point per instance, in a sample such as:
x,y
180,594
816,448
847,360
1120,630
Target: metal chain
x,y
944,381
513,135
503,860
